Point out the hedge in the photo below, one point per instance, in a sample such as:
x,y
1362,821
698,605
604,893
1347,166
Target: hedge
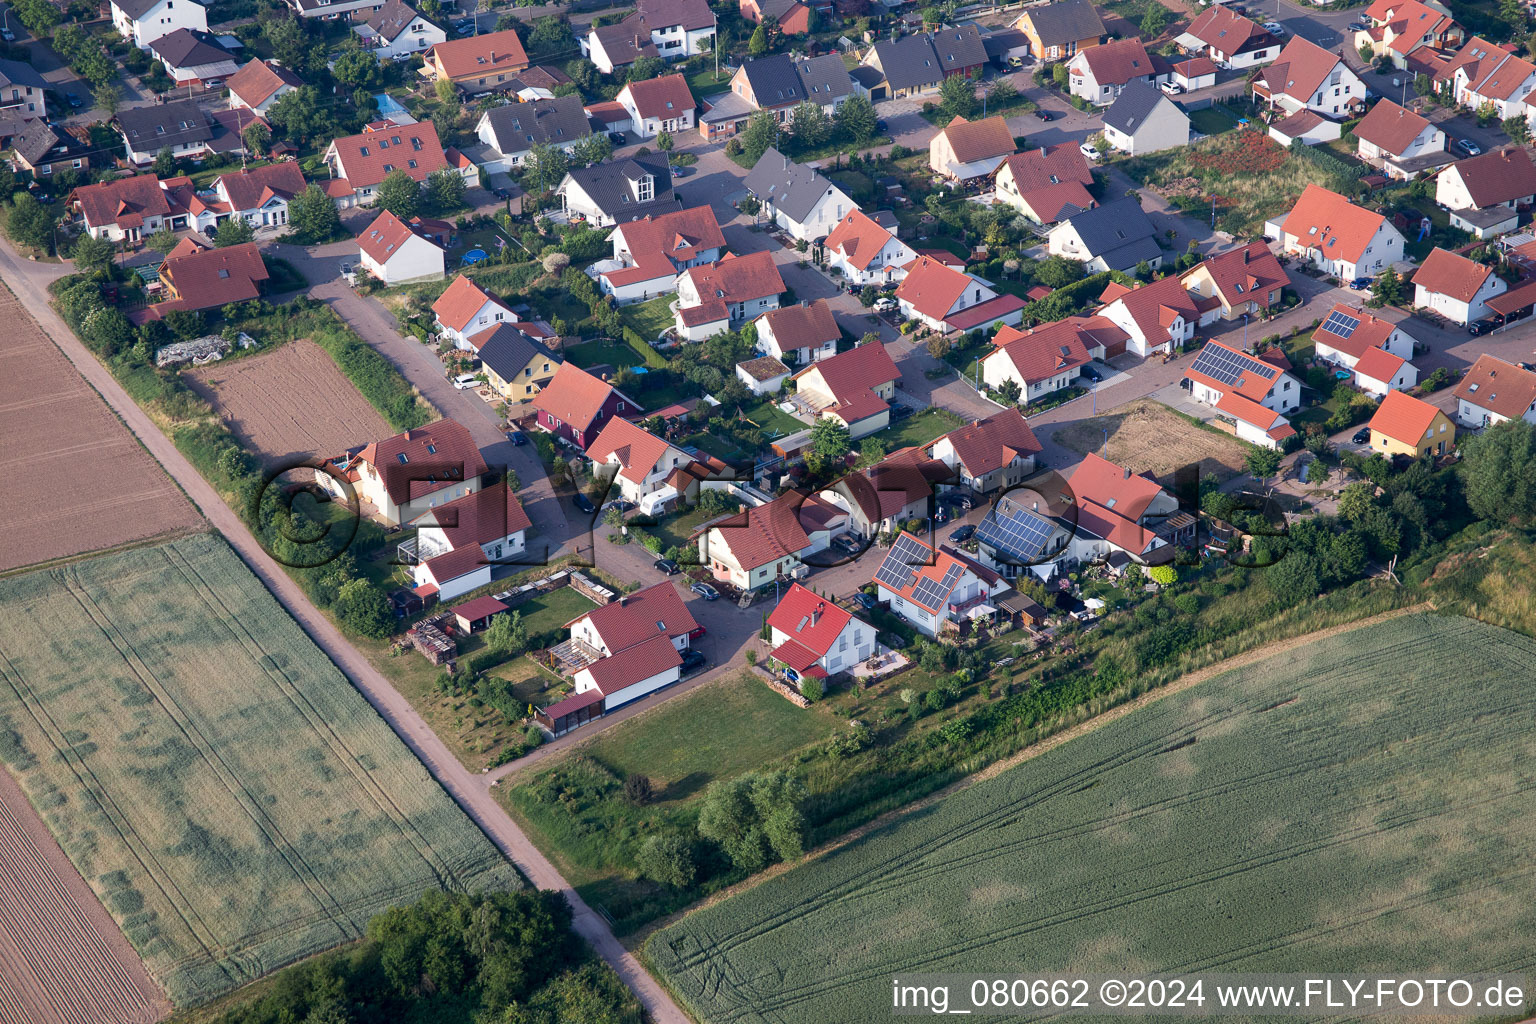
x,y
1330,163
375,377
643,349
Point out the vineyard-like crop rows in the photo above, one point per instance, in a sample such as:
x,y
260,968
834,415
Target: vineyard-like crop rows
x,y
234,802
1361,804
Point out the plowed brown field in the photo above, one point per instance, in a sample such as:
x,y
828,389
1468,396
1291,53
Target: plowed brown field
x,y
291,403
76,479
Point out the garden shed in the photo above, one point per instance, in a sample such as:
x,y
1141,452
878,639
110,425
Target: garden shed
x,y
473,616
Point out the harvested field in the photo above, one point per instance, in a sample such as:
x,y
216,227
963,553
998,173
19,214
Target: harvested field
x,y
1147,436
102,488
233,800
62,958
292,403
1357,802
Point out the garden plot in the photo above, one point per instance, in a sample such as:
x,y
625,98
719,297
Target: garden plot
x,y
1148,437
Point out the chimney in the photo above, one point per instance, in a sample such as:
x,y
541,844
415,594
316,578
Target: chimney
x,y
1245,255
1126,473
816,615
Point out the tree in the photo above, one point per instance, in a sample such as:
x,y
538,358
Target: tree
x,y
1144,270
234,231
1163,575
829,443
1262,463
507,634
1517,128
755,818
165,163
1388,287
811,688
362,608
761,132
1512,12
446,91
957,96
758,44
1355,501
399,194
810,125
667,859
1499,473
1059,74
1010,391
92,254
1058,272
550,35
593,149
1154,21
938,346
358,69
664,142
312,216
544,167
445,187
298,115
638,789
256,137
856,119
30,223
164,240
643,69
107,96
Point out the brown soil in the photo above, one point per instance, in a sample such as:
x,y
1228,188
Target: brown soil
x,y
1147,436
289,404
77,479
62,959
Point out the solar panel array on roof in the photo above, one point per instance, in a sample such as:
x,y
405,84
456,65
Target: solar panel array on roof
x,y
906,556
930,593
1015,531
1228,367
1341,324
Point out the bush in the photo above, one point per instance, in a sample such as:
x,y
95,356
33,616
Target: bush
x,y
637,789
669,860
811,688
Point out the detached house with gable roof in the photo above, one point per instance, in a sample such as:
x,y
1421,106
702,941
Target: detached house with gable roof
x,y
713,296
1455,287
642,461
1115,236
990,454
1336,236
1044,359
516,365
180,127
1059,30
407,475
1157,317
394,253
1494,391
633,646
1100,74
133,208
194,59
1307,77
398,30
854,387
465,309
1117,511
1399,141
259,84
895,490
658,105
1255,395
930,587
1404,425
964,149
618,191
459,543
1483,193
764,545
793,17
917,64
196,277
576,405
614,47
1248,280
1485,73
649,253
144,21
360,162
514,129
812,636
799,335
478,64
1143,120
679,28
1229,39
1374,350
946,299
1045,184
867,253
1407,30
780,83
796,198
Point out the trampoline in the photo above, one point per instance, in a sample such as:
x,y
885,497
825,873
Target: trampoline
x,y
472,257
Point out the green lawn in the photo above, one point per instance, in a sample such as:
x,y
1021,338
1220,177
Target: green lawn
x,y
596,353
651,318
720,447
1211,121
703,82
775,422
674,529
919,428
553,610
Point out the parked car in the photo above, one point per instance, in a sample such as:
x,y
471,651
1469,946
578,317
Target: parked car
x,y
1089,151
681,172
622,504
881,126
900,411
1468,147
1484,326
705,591
1360,283
961,534
1362,436
1044,115
465,381
74,101
584,503
346,267
1092,374
1015,63
957,498
1274,28
863,600
665,565
517,437
1359,25
7,35
886,305
1171,88
692,661
464,27
697,633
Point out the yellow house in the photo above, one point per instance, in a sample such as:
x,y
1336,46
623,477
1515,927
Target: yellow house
x,y
1247,280
516,365
1405,425
477,64
1058,31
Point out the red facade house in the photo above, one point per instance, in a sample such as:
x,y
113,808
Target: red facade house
x,y
575,405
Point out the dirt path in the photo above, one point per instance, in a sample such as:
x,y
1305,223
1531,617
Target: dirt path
x,y
475,799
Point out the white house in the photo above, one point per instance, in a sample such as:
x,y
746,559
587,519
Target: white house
x,y
259,84
1492,76
679,28
1100,73
144,21
1115,236
459,543
649,253
713,296
406,476
812,636
1045,184
514,129
930,587
392,252
1044,359
797,198
622,190
1348,332
989,454
1143,120
765,544
657,105
1115,510
1379,371
634,644
641,460
1229,39
1254,394
1494,391
1307,127
854,387
1306,76
1455,287
798,335
1157,318
180,126
259,196
970,149
398,30
763,375
867,253
464,309
1399,140
1336,236
945,299
1483,192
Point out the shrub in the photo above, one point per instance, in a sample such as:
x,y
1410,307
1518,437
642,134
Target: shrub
x,y
637,789
669,860
811,688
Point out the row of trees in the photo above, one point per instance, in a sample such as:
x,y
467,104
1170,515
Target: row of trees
x,y
809,129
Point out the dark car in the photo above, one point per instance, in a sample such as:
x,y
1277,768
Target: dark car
x,y
1360,283
863,600
693,661
960,534
846,544
502,193
705,591
1483,326
881,126
957,498
464,28
74,101
1362,436
584,503
617,138
1044,115
900,412
622,504
1092,374
517,437
681,172
665,565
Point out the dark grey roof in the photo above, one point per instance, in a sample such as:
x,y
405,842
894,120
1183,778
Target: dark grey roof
x,y
909,62
612,186
1003,40
187,49
627,41
14,72
691,14
1119,231
959,48
1132,108
774,81
1065,22
824,78
518,127
775,9
393,18
135,9
35,140
867,76
792,188
508,350
151,129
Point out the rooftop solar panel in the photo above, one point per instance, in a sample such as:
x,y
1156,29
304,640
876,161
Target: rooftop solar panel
x,y
906,557
1341,324
1016,532
1228,367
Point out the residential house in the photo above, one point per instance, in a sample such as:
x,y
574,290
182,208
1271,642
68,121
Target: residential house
x,y
722,115
1043,359
947,299
392,251
1404,425
1307,77
180,127
360,162
22,89
131,209
513,130
1115,236
798,335
932,587
1482,73
330,10
1455,287
41,148
854,387
865,252
397,30
1483,193
576,405
1399,141
649,253
796,198
1336,236
1143,120
259,196
1045,184
1004,45
793,17
1307,127
194,277
619,191
458,544
1242,281
539,83
1058,31
405,476
1253,394
478,64
679,28
1100,73
1379,371
464,309
194,59
763,375
711,297
918,64
1116,511
1347,333
960,50
658,105
1159,317
1494,391
635,644
780,83
990,454
766,544
964,149
1022,534
144,21
1230,40
614,47
1408,30
641,461
1191,73
894,491
259,84
812,637
517,365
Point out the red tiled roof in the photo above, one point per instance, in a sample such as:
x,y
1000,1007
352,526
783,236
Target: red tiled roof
x,y
1251,272
812,621
1328,222
851,377
460,301
737,278
1445,273
1403,418
765,533
1390,127
381,239
479,608
1117,62
1252,386
1409,20
900,479
803,326
247,190
932,288
1499,387
492,53
1379,364
939,562
637,450
664,97
257,80
434,449
1497,177
1125,534
659,244
574,396
1371,333
109,202
1498,77
986,445
1153,307
978,140
1238,407
608,111
367,158
1051,177
1042,352
210,278
1469,57
487,515
1300,69
654,611
1190,68
858,238
1114,487
1225,30
634,665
